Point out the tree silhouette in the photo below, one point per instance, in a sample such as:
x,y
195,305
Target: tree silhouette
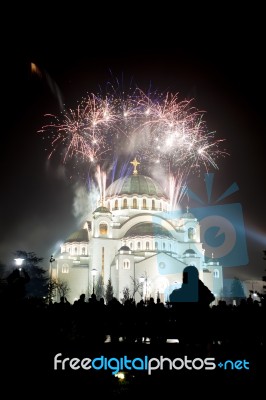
x,y
237,290
109,293
38,285
62,288
2,270
137,287
57,288
99,288
264,258
126,294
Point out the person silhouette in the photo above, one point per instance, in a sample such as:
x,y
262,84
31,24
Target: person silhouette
x,y
192,290
190,305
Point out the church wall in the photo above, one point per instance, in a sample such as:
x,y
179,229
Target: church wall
x,y
150,243
77,279
155,270
207,279
75,248
196,261
103,259
137,202
217,279
126,274
115,279
161,269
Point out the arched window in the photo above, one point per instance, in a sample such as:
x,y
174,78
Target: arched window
x,y
161,207
191,233
163,246
65,269
156,245
116,205
125,203
103,228
126,264
138,245
216,273
131,245
144,204
83,251
135,203
76,250
153,204
147,246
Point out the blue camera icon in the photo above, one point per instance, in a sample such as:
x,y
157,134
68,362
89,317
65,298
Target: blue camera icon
x,y
223,233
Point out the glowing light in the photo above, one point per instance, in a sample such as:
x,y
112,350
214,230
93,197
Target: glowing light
x,y
19,261
120,375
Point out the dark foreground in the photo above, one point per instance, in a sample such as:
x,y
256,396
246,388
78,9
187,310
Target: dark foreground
x,y
222,356
31,365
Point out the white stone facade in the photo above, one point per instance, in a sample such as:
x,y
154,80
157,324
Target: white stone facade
x,y
134,239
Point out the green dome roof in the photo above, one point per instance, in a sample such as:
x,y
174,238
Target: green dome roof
x,y
189,251
188,215
102,210
78,236
125,248
148,229
135,185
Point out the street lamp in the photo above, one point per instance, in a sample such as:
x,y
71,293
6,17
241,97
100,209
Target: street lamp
x,y
94,273
50,290
52,259
19,262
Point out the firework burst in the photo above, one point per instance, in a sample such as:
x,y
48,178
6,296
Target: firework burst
x,y
157,128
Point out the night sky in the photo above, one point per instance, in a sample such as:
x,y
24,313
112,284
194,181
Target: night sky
x,y
225,77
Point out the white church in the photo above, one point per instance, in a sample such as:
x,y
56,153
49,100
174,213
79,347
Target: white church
x,y
134,239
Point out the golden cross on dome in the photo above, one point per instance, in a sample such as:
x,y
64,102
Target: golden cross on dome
x,y
135,163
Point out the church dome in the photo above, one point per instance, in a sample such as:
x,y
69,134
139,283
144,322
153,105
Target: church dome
x,y
102,210
78,236
148,229
135,185
189,252
124,248
188,215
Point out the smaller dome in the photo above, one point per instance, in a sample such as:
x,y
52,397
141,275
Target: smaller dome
x,y
188,215
102,210
189,251
211,261
124,248
78,236
148,229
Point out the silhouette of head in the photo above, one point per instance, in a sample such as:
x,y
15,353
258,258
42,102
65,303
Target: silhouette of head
x,y
190,274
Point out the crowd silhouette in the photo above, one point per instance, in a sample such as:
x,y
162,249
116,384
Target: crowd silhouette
x,y
191,320
190,307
